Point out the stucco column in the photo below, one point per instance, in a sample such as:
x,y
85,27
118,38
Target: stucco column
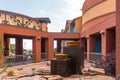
x,y
92,43
37,48
58,45
103,37
82,42
7,46
46,45
19,46
1,50
50,48
88,48
117,37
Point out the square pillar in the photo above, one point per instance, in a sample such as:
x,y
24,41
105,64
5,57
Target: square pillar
x,y
110,42
50,48
37,48
58,45
118,37
1,50
88,48
46,45
92,43
82,42
103,37
46,49
7,46
19,46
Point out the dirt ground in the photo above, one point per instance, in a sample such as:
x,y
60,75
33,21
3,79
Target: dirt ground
x,y
45,67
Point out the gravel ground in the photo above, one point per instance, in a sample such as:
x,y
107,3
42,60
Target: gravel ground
x,y
45,66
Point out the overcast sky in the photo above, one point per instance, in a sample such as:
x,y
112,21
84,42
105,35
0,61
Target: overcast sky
x,y
57,10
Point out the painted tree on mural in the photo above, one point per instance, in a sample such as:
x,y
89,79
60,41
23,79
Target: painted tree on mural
x,y
1,53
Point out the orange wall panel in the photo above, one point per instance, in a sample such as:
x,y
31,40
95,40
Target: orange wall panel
x,y
96,21
103,8
78,24
89,4
44,27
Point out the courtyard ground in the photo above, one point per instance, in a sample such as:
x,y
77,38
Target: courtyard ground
x,y
24,72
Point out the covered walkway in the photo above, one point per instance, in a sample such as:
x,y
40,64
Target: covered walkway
x,y
43,42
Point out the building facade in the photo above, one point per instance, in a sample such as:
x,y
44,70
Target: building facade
x,y
98,31
98,36
72,26
76,25
99,27
21,27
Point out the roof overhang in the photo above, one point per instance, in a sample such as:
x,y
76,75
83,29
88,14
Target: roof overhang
x,y
43,20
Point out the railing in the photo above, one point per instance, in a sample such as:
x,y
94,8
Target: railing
x,y
19,59
95,57
108,62
44,56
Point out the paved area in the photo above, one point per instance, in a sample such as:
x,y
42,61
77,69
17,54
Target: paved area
x,y
45,67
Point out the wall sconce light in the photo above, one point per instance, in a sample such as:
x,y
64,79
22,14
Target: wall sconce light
x,y
38,38
102,32
87,36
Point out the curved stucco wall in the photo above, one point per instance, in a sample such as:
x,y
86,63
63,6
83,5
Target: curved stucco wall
x,y
89,4
97,21
98,10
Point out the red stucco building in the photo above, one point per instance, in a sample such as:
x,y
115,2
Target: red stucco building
x,y
99,26
21,27
99,34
